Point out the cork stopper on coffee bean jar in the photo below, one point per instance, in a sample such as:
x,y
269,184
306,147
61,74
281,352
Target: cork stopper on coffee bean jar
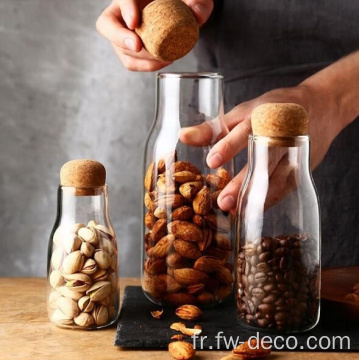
x,y
279,120
168,29
83,174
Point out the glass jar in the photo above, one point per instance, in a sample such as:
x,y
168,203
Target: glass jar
x,y
187,254
278,238
83,287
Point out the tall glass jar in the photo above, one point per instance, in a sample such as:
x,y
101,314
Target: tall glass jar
x,y
83,287
187,254
278,238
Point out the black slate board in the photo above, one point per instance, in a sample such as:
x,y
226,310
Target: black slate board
x,y
137,328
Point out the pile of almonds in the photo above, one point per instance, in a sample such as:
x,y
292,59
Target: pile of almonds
x,y
83,276
187,240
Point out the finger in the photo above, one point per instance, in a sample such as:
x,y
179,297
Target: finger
x,y
110,26
134,64
130,13
230,145
202,9
239,113
227,199
143,55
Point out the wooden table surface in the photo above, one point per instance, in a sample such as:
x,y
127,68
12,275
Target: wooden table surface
x,y
26,333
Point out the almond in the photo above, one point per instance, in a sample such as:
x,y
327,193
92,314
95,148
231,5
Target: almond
x,y
188,312
175,260
198,220
254,350
205,298
149,220
206,240
179,298
155,266
224,276
181,350
223,255
190,189
148,201
218,221
162,283
159,230
166,161
177,326
202,201
214,196
195,289
188,277
162,248
149,181
156,314
187,249
181,213
223,292
169,201
224,174
184,166
216,181
207,264
160,213
222,241
185,230
185,176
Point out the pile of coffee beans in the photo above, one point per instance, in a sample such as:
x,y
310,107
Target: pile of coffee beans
x,y
277,283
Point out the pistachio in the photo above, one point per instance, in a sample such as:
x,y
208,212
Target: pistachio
x,y
54,295
85,304
68,307
102,258
99,275
60,318
65,291
57,258
71,243
106,245
89,267
87,249
89,235
56,279
78,282
73,262
76,227
100,315
92,223
105,230
99,290
105,301
84,320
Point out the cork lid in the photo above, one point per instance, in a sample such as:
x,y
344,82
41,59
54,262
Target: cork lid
x,y
279,120
83,174
168,29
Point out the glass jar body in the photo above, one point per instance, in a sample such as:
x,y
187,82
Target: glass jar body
x,y
187,241
278,239
83,286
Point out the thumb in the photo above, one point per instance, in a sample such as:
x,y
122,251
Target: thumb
x,y
202,9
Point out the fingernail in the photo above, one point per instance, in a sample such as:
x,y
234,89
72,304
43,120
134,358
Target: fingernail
x,y
227,203
130,44
202,9
127,19
214,160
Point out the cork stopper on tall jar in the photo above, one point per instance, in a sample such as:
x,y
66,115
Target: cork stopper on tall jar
x,y
86,176
280,121
168,29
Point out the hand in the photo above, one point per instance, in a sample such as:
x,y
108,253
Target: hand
x,y
121,17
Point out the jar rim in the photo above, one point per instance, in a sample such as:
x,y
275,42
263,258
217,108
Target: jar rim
x,y
189,75
269,138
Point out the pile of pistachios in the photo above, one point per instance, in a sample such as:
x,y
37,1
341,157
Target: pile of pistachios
x,y
83,276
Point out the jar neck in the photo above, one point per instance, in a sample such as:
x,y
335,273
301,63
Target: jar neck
x,y
280,156
75,208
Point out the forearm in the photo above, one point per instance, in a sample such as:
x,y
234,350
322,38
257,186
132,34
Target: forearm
x,y
337,89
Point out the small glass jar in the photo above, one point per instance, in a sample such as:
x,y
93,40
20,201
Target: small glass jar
x,y
278,238
83,287
188,250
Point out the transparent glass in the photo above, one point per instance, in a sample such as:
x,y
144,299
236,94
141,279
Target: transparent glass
x,y
278,238
188,248
83,286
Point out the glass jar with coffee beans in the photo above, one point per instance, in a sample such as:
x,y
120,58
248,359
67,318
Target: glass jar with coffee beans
x,y
83,288
188,248
278,226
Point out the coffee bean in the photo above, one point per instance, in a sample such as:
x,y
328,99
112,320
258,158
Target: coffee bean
x,y
258,292
265,256
251,306
263,266
253,260
251,279
284,263
269,287
260,277
263,322
269,299
281,251
266,308
280,316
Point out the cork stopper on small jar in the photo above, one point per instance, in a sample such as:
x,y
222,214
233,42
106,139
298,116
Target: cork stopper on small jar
x,y
168,29
84,175
279,120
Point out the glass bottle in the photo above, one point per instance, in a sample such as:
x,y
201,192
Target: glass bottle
x,y
83,287
278,238
187,253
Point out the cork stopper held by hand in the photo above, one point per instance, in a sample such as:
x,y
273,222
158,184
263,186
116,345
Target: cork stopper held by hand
x,y
280,120
84,174
168,29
